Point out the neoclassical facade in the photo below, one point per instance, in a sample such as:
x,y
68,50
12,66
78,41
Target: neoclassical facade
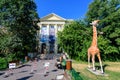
x,y
49,26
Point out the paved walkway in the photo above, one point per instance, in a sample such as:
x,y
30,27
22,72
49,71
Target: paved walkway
x,y
24,72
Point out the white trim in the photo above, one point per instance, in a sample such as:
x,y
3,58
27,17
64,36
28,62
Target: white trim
x,y
52,14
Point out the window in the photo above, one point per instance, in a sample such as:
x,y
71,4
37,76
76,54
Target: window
x,y
59,27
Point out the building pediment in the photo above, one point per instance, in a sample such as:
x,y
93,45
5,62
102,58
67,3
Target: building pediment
x,y
53,16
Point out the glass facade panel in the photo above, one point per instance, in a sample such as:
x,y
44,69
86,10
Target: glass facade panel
x,y
51,34
44,34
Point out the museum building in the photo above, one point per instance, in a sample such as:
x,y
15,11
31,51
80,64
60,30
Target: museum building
x,y
49,26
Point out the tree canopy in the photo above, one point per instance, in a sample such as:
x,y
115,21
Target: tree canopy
x,y
108,11
18,16
72,39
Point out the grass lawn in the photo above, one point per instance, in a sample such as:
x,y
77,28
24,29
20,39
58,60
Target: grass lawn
x,y
111,68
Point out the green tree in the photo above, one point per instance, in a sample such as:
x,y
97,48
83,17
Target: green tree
x,y
108,11
112,33
100,9
5,41
18,16
72,39
7,44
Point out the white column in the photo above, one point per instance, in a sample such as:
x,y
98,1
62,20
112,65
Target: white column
x,y
48,46
56,30
56,45
62,27
47,29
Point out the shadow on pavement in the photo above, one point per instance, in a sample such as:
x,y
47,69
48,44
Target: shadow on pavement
x,y
24,78
1,73
54,70
23,71
23,65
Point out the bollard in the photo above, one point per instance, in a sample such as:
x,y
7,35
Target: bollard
x,y
46,66
34,66
68,64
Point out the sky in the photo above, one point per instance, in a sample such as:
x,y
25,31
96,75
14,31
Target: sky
x,y
68,9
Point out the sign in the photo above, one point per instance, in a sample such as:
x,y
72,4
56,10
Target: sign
x,y
46,64
52,34
44,34
12,65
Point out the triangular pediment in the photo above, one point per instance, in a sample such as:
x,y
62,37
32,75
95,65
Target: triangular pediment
x,y
52,16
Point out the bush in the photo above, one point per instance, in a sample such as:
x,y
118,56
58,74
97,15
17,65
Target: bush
x,y
75,75
3,63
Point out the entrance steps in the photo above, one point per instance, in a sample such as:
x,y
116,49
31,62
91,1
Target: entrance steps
x,y
49,56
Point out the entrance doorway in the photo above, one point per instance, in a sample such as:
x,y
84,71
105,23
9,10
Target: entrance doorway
x,y
52,47
43,48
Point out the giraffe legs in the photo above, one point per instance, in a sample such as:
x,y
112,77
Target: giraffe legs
x,y
100,63
92,52
89,60
93,62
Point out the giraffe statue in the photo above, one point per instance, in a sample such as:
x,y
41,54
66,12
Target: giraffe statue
x,y
94,50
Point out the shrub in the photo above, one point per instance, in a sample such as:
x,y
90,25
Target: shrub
x,y
3,63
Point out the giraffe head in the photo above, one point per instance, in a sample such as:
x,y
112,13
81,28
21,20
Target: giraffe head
x,y
95,22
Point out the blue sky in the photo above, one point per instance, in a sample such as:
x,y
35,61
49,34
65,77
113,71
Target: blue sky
x,y
69,9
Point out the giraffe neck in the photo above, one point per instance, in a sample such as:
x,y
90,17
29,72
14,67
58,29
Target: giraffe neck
x,y
94,39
